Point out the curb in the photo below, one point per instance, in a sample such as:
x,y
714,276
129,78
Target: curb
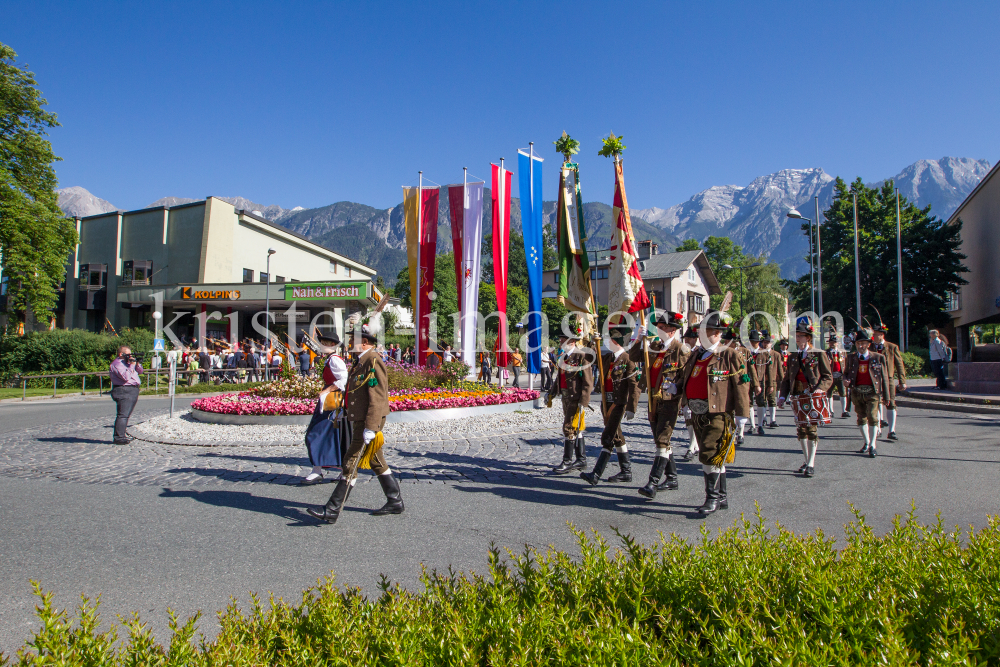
x,y
106,395
952,398
947,406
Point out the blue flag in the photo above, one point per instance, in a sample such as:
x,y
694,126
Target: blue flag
x,y
529,168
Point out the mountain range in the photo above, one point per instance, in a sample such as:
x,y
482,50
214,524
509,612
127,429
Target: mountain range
x,y
754,216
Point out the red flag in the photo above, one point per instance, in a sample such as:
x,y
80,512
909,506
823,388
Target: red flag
x,y
456,204
626,292
501,244
428,251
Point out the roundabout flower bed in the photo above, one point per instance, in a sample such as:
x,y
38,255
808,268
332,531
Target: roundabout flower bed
x,y
248,403
440,397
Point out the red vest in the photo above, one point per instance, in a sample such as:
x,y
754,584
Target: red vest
x,y
697,384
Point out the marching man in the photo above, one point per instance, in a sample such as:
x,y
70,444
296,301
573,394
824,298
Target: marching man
x,y
767,364
575,381
893,367
868,379
749,386
691,340
667,359
710,383
621,388
808,374
837,358
367,400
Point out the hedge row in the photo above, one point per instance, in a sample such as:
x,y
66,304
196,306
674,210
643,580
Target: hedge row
x,y
752,595
65,351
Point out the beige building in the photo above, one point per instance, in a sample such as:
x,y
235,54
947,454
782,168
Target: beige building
x,y
979,301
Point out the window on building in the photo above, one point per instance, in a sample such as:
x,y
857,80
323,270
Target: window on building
x,y
137,271
333,267
692,275
93,276
279,279
696,303
264,277
598,274
248,275
347,271
953,301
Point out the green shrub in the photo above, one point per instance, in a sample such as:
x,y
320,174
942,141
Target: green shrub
x,y
915,364
753,595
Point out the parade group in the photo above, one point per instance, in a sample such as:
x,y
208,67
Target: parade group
x,y
707,374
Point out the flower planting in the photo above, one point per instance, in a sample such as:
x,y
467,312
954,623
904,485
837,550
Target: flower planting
x,y
433,399
247,403
753,595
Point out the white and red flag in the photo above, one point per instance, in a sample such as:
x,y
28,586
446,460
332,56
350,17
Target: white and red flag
x,y
501,246
626,292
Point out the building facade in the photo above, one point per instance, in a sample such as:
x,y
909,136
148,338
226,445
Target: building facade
x,y
206,267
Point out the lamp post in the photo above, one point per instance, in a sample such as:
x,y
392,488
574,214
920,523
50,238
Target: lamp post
x,y
906,306
794,214
267,314
741,269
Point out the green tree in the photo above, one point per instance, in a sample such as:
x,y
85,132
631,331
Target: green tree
x,y
445,291
35,238
754,288
688,244
932,263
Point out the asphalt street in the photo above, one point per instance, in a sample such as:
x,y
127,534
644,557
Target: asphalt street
x,y
188,547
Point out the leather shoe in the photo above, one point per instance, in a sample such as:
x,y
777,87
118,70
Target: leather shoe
x,y
892,435
809,471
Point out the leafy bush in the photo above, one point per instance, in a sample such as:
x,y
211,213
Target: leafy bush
x,y
915,364
454,371
66,351
752,595
291,386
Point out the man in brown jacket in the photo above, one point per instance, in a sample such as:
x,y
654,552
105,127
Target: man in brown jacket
x,y
750,387
666,360
621,388
710,383
575,381
867,377
893,367
767,365
808,374
367,406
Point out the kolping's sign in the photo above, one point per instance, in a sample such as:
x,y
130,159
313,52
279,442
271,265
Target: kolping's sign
x,y
306,291
223,294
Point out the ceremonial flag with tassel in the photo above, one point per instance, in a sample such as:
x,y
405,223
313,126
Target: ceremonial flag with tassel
x,y
466,203
421,248
529,169
574,265
501,246
626,291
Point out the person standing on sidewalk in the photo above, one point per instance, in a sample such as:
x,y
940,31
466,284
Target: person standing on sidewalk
x,y
940,356
125,383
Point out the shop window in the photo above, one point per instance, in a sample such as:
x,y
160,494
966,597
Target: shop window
x,y
248,275
263,277
137,272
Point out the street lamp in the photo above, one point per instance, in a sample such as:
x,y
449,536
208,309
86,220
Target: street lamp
x,y
794,214
906,305
267,314
741,269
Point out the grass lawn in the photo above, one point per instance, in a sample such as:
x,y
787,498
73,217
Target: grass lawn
x,y
17,392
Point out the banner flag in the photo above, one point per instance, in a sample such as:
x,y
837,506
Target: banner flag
x,y
574,265
529,172
456,210
626,291
501,246
428,251
410,221
472,253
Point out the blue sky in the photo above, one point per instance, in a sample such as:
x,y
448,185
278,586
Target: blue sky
x,y
308,103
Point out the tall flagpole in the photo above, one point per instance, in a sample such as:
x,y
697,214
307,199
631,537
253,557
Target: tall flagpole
x,y
416,306
857,267
503,261
899,267
465,306
819,272
531,188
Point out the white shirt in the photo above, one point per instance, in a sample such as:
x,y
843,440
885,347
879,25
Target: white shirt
x,y
339,370
711,350
447,356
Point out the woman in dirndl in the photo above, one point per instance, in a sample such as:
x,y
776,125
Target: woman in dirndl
x,y
328,452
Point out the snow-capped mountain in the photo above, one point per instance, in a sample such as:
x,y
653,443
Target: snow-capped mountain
x,y
271,212
78,202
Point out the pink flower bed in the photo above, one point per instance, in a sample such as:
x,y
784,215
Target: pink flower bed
x,y
446,401
246,403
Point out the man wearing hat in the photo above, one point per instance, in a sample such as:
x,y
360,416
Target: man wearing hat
x,y
334,383
837,359
866,374
621,388
748,385
575,381
765,369
710,384
808,373
367,402
894,367
667,359
691,339
770,378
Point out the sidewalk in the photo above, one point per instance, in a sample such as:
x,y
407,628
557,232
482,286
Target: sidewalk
x,y
922,393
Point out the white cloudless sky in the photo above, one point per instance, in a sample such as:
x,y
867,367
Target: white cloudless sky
x,y
309,103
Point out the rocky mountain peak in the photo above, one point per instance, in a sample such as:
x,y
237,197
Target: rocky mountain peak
x,y
78,202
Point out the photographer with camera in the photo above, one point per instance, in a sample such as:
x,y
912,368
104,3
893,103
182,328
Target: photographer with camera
x,y
125,385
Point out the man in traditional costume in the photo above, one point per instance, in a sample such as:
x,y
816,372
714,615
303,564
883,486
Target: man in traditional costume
x,y
808,375
621,391
867,377
837,358
575,382
710,384
367,400
894,367
691,339
766,365
749,385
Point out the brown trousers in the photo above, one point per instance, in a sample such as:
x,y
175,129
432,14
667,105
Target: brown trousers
x,y
709,428
357,448
570,408
612,436
664,421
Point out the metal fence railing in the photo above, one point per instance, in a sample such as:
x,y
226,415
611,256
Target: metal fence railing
x,y
152,377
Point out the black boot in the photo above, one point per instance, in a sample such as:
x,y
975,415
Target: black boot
x,y
723,497
602,463
670,479
711,493
581,454
331,511
567,462
659,465
394,500
624,469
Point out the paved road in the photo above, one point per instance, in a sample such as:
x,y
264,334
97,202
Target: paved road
x,y
155,526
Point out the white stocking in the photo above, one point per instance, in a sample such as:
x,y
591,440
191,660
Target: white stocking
x,y
843,404
813,446
741,422
317,471
753,419
865,433
892,421
804,444
693,446
774,414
